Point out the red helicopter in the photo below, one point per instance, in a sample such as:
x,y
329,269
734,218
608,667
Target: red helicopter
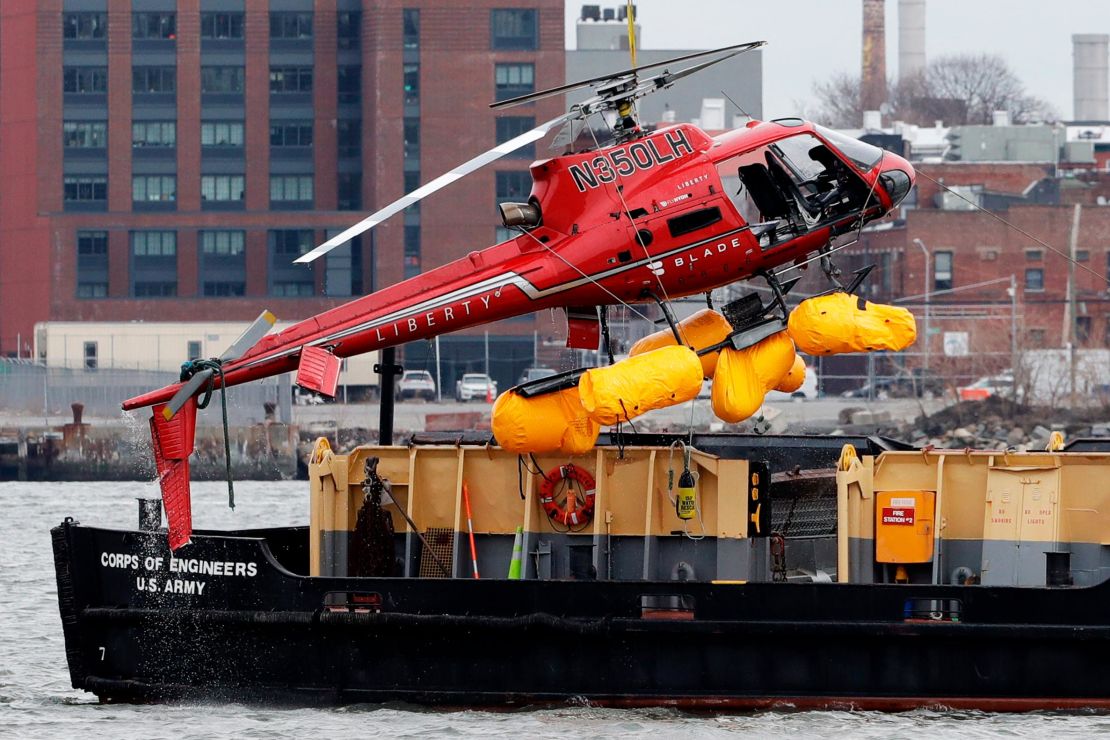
x,y
654,215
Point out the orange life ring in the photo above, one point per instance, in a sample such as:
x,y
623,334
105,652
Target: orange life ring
x,y
568,513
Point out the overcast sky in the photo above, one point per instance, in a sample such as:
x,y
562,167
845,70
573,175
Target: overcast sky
x,y
810,39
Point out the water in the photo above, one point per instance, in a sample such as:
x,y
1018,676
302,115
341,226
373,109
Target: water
x,y
36,699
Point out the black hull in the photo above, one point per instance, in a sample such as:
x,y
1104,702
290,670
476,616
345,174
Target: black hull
x,y
268,637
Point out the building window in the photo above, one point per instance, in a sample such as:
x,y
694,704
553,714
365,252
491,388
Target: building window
x,y
1036,338
85,25
154,133
1082,329
84,134
90,355
349,84
513,80
290,25
221,25
153,264
510,127
286,278
350,191
221,187
153,188
1034,255
193,349
85,79
349,137
942,270
221,133
411,28
513,186
221,79
153,80
92,264
504,234
290,79
412,251
286,134
1082,255
412,84
290,188
348,29
85,189
1034,279
513,28
411,141
223,264
153,26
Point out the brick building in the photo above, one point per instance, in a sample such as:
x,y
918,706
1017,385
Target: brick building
x,y
168,159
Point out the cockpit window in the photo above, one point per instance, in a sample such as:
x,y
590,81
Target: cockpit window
x,y
861,155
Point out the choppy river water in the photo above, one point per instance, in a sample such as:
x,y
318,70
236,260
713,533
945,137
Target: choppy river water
x,y
36,699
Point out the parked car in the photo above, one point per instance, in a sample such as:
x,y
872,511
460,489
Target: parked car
x,y
475,386
301,397
534,373
991,385
416,384
902,386
807,391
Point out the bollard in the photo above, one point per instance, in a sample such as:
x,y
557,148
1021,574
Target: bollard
x,y
150,514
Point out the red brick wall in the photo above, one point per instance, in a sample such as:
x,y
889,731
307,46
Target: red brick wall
x,y
1002,177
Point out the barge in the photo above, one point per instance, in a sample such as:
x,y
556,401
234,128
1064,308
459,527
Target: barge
x,y
817,572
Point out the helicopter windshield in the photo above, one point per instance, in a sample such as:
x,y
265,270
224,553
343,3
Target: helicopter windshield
x,y
860,154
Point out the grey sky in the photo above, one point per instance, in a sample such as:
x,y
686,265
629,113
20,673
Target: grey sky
x,y
810,39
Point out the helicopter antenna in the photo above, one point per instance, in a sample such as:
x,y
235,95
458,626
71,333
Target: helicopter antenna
x,y
746,114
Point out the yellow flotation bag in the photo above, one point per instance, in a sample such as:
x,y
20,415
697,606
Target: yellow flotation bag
x,y
839,323
655,379
745,375
794,378
700,330
552,422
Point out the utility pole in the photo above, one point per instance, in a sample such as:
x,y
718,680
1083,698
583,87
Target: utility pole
x,y
1072,318
927,291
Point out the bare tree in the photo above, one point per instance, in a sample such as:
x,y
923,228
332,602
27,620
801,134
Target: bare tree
x,y
960,89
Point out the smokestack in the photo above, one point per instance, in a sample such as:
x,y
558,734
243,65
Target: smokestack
x,y
1091,80
911,37
873,68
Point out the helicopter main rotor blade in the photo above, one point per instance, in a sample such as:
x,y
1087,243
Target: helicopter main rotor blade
x,y
187,391
440,182
530,97
249,337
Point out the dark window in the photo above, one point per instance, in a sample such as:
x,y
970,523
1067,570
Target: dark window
x,y
510,127
1082,329
221,79
513,186
513,28
1082,255
1034,279
942,271
153,26
290,25
412,182
153,79
411,142
1036,337
349,136
291,188
90,355
223,263
221,187
153,188
85,134
287,278
221,133
690,222
221,25
92,264
350,191
85,189
285,133
85,79
348,29
412,84
290,79
1034,255
349,84
411,28
85,25
512,80
154,133
412,251
153,264
193,350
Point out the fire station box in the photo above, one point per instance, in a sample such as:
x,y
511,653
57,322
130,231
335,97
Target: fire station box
x,y
904,526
